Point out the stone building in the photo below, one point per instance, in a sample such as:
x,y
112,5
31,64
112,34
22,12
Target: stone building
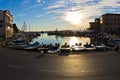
x,y
109,23
6,24
95,25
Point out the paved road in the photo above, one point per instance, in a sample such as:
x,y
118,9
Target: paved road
x,y
19,65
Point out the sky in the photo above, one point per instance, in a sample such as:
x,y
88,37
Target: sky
x,y
45,15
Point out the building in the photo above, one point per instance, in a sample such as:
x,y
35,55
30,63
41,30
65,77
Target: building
x,y
6,24
15,29
95,25
110,23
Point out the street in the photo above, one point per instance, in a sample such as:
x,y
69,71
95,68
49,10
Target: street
x,y
20,65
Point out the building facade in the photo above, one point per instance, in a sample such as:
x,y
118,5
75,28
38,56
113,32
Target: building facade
x,y
110,23
95,25
6,24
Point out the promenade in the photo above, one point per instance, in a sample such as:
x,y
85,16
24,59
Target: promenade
x,y
27,65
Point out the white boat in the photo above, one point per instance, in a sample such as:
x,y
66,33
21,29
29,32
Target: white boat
x,y
53,50
77,48
100,47
90,47
65,49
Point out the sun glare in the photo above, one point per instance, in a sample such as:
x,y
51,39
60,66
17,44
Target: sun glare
x,y
73,17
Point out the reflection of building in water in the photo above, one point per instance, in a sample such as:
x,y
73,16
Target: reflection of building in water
x,y
109,23
6,24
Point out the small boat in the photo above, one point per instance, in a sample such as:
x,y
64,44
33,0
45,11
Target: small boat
x,y
111,46
100,47
77,48
89,47
53,50
117,48
43,48
65,49
33,46
18,44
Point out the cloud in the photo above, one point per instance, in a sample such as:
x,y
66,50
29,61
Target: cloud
x,y
34,6
39,0
39,16
26,1
57,5
21,14
89,8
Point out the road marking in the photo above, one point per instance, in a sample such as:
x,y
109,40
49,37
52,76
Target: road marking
x,y
13,66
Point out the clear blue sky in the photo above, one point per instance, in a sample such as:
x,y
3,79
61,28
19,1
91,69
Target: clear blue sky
x,y
61,14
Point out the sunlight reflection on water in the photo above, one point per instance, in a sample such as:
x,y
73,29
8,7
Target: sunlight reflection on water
x,y
44,38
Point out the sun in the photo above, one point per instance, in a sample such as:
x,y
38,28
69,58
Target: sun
x,y
73,17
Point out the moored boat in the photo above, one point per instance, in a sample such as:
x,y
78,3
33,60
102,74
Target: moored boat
x,y
18,44
77,48
65,49
100,47
89,47
33,46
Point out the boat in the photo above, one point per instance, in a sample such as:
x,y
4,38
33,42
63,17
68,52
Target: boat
x,y
53,48
117,48
43,48
18,44
89,47
100,47
33,46
111,46
76,48
65,49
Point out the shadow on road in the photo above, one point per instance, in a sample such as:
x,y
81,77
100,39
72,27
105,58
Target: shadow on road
x,y
40,56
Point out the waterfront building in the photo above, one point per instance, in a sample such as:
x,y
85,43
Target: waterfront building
x,y
6,24
109,23
95,25
15,29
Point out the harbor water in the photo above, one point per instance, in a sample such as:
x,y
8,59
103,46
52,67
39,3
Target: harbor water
x,y
52,39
